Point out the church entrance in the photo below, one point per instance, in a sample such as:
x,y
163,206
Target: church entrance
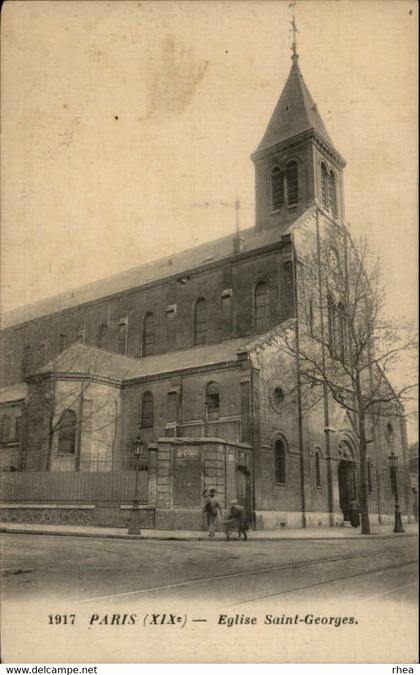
x,y
347,486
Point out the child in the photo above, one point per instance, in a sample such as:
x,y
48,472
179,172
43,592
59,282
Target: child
x,y
236,520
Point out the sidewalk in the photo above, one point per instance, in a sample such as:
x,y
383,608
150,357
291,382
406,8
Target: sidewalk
x,y
378,531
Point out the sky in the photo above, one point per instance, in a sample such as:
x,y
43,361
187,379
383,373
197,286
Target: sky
x,y
127,129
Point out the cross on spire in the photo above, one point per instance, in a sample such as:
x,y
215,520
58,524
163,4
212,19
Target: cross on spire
x,y
294,30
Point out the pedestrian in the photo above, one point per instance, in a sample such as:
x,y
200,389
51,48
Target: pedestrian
x,y
354,513
212,510
236,521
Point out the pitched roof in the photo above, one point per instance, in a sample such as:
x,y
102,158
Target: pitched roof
x,y
294,113
14,392
135,277
87,360
83,359
195,357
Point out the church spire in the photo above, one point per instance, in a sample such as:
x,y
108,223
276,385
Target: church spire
x,y
296,163
296,112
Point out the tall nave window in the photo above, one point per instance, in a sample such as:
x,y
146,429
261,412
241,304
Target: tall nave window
x,y
262,307
148,346
200,322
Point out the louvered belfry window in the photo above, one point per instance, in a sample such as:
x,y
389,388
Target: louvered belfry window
x,y
148,335
332,193
277,189
324,186
200,322
262,307
292,184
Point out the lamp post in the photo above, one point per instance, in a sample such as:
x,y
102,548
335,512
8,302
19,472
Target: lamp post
x,y
134,523
398,528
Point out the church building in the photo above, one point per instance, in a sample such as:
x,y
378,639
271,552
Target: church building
x,y
169,379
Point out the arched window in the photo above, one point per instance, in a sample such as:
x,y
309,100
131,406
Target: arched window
x,y
324,186
277,189
171,407
67,433
200,322
262,307
292,184
332,193
212,401
148,335
317,468
147,410
280,461
122,336
102,335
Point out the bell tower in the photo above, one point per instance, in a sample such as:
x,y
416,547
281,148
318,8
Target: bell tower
x,y
296,163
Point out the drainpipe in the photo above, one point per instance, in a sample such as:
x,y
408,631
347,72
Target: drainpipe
x,y
79,430
298,387
327,429
252,417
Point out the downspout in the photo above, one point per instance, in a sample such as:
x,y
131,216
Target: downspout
x,y
298,387
327,429
79,430
252,416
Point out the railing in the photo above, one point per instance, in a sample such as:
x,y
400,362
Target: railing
x,y
82,487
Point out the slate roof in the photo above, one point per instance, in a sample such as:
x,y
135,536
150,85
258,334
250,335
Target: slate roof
x,y
84,359
142,274
14,392
294,113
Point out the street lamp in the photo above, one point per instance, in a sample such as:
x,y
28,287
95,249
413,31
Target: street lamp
x,y
398,528
134,523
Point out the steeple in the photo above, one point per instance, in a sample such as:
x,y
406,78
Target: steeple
x,y
296,162
295,112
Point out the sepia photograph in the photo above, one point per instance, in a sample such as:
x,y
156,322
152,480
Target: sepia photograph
x,y
208,337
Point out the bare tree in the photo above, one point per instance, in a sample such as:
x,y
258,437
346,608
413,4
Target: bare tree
x,y
346,348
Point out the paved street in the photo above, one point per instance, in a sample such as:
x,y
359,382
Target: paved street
x,y
107,570
98,581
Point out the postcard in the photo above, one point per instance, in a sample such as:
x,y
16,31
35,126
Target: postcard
x,y
208,440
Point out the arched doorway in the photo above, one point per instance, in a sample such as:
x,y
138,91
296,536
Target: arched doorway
x,y
347,478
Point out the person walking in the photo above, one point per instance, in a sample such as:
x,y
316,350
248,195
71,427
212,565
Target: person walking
x,y
212,510
236,521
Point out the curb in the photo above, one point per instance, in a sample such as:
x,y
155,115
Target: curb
x,y
88,535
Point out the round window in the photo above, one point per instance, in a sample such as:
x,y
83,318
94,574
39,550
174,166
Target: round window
x,y
278,396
